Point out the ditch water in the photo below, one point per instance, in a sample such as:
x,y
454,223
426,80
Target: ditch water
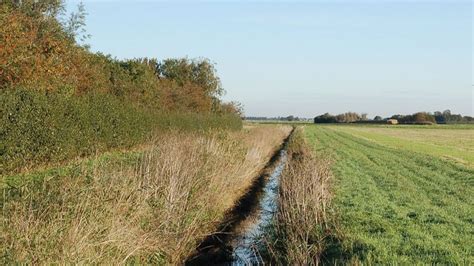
x,y
250,236
238,239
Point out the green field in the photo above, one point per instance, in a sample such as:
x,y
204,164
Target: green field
x,y
401,194
451,142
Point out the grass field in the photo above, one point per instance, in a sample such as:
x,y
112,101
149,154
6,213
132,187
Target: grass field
x,y
396,196
451,142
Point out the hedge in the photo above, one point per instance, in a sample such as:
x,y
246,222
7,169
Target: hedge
x,y
38,128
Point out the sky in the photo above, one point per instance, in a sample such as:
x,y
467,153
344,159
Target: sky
x,y
306,58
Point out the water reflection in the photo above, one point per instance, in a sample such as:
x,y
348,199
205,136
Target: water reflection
x,y
246,245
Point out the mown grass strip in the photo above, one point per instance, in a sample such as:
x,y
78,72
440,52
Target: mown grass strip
x,y
459,151
395,205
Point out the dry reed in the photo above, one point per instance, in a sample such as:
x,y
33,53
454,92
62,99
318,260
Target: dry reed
x,y
301,223
154,211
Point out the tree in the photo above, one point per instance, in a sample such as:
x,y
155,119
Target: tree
x,y
325,118
200,72
75,26
233,108
348,117
49,8
423,117
439,117
378,118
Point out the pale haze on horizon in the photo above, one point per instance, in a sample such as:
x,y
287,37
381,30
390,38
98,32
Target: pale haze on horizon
x,y
306,58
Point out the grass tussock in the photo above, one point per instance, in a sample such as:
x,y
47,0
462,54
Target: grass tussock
x,y
302,225
152,209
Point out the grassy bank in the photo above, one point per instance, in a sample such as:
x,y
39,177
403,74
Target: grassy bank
x,y
148,206
302,227
395,205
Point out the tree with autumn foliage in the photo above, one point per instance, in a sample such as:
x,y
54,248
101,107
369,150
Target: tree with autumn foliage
x,y
60,100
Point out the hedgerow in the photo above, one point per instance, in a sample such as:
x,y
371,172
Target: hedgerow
x,y
59,100
38,127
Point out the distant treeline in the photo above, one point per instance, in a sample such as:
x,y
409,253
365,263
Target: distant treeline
x,y
279,118
417,118
60,100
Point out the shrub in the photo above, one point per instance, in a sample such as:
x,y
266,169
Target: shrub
x,y
38,127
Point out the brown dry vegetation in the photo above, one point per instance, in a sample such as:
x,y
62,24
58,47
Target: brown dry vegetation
x,y
155,210
303,224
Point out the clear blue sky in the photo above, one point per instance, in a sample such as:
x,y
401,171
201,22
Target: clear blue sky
x,y
306,58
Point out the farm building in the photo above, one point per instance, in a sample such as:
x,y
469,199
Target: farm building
x,y
392,121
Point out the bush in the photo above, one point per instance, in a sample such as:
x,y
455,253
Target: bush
x,y
37,128
72,102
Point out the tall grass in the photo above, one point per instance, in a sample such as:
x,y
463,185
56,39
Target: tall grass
x,y
302,223
153,210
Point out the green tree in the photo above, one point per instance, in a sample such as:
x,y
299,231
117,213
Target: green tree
x,y
199,72
49,8
75,25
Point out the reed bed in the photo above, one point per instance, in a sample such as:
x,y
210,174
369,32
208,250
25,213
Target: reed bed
x,y
155,210
302,224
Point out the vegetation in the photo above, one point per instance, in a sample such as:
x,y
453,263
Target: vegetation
x,y
417,118
289,118
341,118
394,205
302,229
454,142
59,100
151,205
42,128
108,161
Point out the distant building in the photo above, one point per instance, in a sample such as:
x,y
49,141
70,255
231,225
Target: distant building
x,y
392,121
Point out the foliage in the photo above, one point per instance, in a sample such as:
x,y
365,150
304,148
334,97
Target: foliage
x,y
348,117
446,117
48,8
198,71
37,128
76,23
289,118
40,53
325,118
59,100
341,118
417,118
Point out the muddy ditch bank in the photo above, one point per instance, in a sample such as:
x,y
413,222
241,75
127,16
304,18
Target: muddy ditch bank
x,y
233,242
